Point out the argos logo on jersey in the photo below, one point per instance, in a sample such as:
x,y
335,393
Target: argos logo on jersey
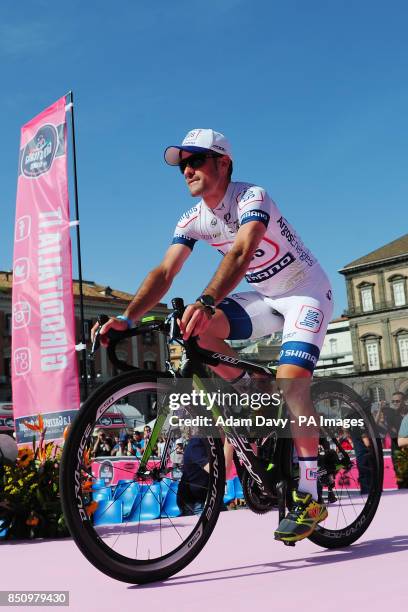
x,y
188,217
310,319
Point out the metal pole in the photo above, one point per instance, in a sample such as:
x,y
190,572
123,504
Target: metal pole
x,y
84,358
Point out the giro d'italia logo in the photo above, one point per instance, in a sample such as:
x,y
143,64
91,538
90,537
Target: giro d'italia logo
x,y
39,153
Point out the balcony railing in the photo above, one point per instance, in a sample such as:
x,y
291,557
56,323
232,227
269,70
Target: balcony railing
x,y
377,307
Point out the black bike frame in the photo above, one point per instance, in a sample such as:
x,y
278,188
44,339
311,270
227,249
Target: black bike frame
x,y
196,358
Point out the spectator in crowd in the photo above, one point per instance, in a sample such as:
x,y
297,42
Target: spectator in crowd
x,y
132,449
160,446
364,458
147,432
102,446
381,422
121,449
345,439
177,456
116,450
146,435
403,433
394,418
138,439
136,442
192,489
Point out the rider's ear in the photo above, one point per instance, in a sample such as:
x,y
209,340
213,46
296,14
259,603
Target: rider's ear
x,y
224,161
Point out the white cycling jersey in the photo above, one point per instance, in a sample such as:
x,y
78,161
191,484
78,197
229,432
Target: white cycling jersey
x,y
281,261
292,292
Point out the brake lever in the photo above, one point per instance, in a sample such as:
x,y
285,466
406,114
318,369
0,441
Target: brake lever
x,y
174,330
96,344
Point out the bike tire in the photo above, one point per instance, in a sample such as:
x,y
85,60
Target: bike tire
x,y
92,546
338,538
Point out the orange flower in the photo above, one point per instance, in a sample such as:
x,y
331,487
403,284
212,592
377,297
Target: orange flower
x,y
90,509
87,458
87,486
32,520
31,426
36,426
25,456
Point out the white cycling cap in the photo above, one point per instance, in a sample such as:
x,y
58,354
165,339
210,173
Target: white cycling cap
x,y
199,141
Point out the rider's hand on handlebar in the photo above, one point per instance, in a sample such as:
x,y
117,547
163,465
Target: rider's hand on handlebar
x,y
195,321
113,323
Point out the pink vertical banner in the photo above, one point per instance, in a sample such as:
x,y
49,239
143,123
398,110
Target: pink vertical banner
x,y
44,366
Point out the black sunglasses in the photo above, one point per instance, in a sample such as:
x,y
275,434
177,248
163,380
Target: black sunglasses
x,y
196,161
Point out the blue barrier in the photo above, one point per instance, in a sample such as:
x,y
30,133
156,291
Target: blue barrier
x,y
229,494
127,493
130,502
239,494
170,507
108,512
98,483
147,506
102,494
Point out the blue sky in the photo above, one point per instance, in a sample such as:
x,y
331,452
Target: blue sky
x,y
312,95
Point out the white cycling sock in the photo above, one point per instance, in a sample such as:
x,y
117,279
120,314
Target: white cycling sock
x,y
308,476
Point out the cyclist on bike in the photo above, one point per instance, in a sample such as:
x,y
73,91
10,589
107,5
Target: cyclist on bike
x,y
291,293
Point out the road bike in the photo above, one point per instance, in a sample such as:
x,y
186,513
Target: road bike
x,y
154,522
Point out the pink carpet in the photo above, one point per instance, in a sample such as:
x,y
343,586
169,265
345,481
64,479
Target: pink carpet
x,y
241,568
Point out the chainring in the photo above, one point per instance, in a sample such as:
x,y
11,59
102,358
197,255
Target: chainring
x,y
258,501
255,499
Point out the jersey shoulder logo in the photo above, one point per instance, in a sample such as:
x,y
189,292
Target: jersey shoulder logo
x,y
188,217
248,195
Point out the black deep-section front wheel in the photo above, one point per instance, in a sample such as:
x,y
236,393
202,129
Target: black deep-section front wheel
x,y
138,529
350,480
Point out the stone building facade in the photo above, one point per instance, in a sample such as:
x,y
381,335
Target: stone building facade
x,y
336,355
377,295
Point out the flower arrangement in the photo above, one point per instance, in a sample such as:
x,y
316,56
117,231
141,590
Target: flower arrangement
x,y
30,503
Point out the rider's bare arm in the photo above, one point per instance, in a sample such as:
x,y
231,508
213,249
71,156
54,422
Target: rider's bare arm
x,y
152,289
236,262
157,282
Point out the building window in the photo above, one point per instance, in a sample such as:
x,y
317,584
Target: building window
x,y
367,299
373,356
148,339
377,394
398,289
403,350
149,365
333,346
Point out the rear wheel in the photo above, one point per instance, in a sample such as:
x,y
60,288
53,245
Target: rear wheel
x,y
132,528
